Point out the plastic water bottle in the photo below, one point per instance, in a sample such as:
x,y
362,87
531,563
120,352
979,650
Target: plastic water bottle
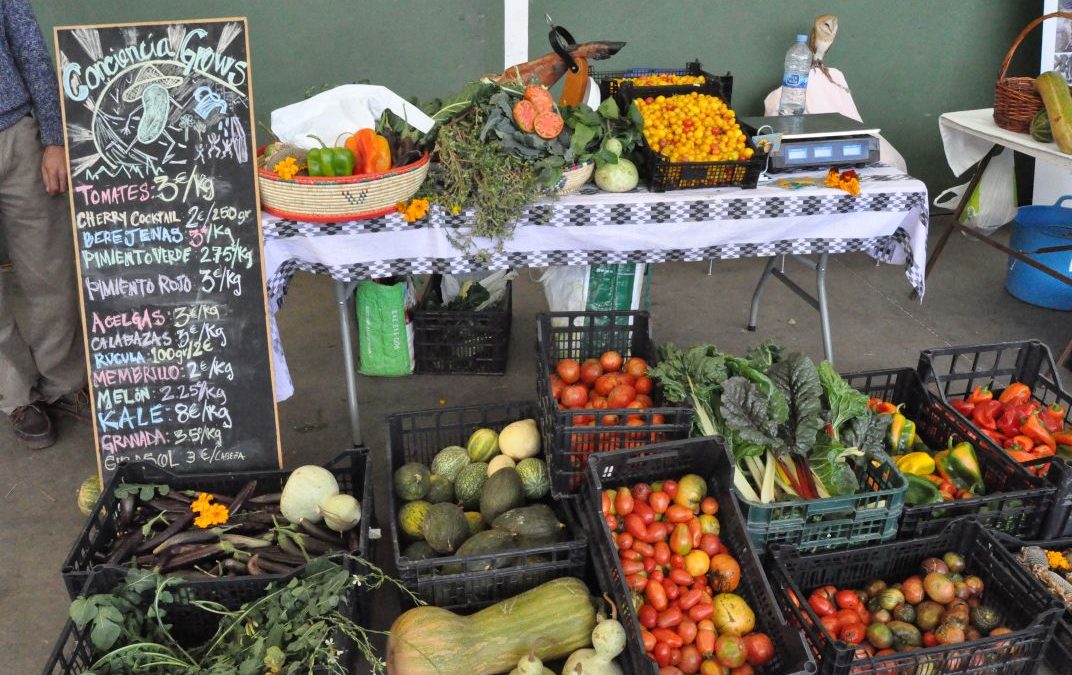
x,y
795,80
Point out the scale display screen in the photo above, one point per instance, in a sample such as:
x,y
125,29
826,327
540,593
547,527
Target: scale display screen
x,y
853,150
823,152
798,154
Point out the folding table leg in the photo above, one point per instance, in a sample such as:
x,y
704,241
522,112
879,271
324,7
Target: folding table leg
x,y
343,292
824,313
753,314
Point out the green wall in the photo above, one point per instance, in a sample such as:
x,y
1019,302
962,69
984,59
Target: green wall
x,y
906,60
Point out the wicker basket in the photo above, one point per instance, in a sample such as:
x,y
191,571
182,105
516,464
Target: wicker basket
x,y
573,178
1015,100
331,200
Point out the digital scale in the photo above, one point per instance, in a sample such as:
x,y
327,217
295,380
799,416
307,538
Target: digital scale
x,y
818,141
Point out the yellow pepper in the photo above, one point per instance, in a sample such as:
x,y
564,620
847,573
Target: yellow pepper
x,y
916,463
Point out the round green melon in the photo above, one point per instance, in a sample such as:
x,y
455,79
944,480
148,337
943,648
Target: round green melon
x,y
88,494
535,478
1040,129
450,461
440,489
419,550
476,522
502,492
470,483
411,516
483,445
412,481
445,528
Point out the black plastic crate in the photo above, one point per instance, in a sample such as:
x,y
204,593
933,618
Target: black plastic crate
x,y
1016,502
1025,604
417,437
568,443
351,468
456,342
707,457
610,84
1059,652
744,173
73,652
952,373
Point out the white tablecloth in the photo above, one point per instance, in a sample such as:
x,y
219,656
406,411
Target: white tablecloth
x,y
967,135
888,221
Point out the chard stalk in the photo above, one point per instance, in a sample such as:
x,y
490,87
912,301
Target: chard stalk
x,y
767,491
743,486
755,466
820,489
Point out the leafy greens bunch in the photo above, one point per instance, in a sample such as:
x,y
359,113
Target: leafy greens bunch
x,y
795,430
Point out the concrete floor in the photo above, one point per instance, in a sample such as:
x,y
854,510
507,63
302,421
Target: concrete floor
x,y
875,325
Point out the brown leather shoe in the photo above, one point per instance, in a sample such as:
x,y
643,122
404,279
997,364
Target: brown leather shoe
x,y
75,404
32,427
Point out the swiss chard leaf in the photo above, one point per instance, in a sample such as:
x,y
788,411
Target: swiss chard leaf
x,y
829,462
844,402
746,411
797,379
867,432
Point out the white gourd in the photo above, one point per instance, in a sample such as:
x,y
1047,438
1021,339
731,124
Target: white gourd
x,y
500,462
531,665
306,489
520,440
341,512
608,641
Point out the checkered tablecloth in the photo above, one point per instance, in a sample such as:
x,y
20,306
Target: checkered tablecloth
x,y
888,221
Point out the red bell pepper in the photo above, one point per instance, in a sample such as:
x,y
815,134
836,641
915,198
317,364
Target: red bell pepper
x,y
1017,391
1034,429
963,407
980,394
984,412
1053,416
1009,422
1021,442
995,436
1063,437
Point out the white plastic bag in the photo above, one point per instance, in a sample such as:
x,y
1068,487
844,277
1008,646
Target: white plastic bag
x,y
993,203
494,284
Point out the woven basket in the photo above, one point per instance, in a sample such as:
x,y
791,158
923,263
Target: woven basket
x,y
573,178
1015,100
332,200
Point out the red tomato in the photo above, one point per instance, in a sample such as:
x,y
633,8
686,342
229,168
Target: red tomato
x,y
844,599
605,383
670,670
673,592
687,630
821,605
598,402
701,611
642,491
847,616
662,553
620,396
637,582
677,561
661,653
644,385
711,545
681,578
643,547
643,509
569,370
760,649
831,624
644,399
669,618
623,502
659,501
746,669
557,385
690,660
865,616
624,541
656,595
591,371
648,638
709,505
853,633
575,396
611,362
647,615
627,379
730,651
636,366
677,513
672,639
670,488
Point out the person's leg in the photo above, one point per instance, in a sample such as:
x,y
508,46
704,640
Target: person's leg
x,y
38,233
18,374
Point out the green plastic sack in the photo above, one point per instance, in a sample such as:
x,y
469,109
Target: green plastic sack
x,y
618,288
385,333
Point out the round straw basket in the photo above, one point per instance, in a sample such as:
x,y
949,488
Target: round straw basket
x,y
1015,100
330,200
573,178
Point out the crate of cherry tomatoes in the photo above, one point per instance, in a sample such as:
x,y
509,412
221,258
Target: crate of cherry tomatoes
x,y
1010,399
641,82
594,391
672,548
954,602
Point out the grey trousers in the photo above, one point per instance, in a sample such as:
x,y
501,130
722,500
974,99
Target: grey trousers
x,y
41,351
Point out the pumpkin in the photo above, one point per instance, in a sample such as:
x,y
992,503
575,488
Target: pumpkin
x,y
552,621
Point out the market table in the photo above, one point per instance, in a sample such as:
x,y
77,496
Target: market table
x,y
888,221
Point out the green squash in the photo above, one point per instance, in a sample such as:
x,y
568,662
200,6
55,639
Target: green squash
x,y
535,525
440,489
445,528
502,492
488,541
419,550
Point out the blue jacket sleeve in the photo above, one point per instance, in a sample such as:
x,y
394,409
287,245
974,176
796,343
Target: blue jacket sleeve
x,y
32,60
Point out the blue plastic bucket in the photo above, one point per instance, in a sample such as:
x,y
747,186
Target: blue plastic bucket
x,y
1038,227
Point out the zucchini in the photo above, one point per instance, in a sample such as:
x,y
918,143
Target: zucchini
x,y
1053,89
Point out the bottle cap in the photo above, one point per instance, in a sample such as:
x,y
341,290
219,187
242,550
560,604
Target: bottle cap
x,y
802,38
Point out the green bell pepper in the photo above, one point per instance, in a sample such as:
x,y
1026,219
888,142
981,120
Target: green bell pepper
x,y
901,436
921,491
960,466
330,161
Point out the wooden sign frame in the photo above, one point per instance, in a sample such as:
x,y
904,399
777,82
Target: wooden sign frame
x,y
247,91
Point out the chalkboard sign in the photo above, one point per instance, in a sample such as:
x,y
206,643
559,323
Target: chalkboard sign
x,y
167,224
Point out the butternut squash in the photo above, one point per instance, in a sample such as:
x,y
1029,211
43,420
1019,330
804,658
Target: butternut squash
x,y
556,618
1053,89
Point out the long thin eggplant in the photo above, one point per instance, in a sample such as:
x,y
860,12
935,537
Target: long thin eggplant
x,y
207,552
312,545
126,511
253,567
176,526
273,567
124,547
270,498
288,545
169,505
244,542
234,566
187,537
259,517
319,532
276,555
241,497
177,495
353,539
